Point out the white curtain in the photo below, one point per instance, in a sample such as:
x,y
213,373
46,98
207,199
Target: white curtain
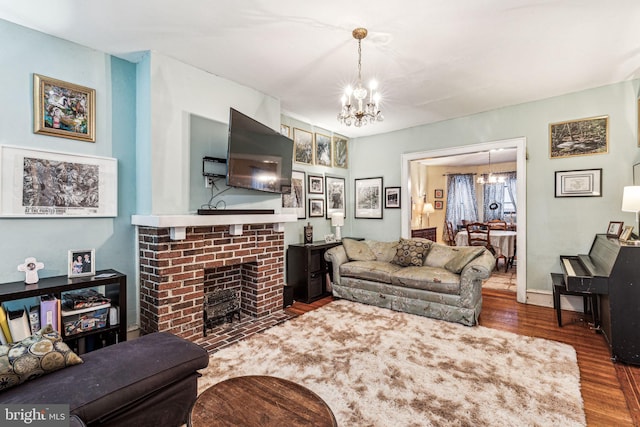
x,y
461,199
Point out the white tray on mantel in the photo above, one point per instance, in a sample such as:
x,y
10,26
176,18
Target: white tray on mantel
x,y
178,223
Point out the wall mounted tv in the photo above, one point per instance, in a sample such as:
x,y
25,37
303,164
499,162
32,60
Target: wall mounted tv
x,y
259,158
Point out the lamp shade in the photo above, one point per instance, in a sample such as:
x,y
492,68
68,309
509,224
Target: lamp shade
x,y
337,219
631,199
428,208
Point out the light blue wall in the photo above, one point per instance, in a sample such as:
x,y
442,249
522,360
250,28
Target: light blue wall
x,y
22,53
555,226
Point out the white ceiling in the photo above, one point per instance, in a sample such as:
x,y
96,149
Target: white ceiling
x,y
434,59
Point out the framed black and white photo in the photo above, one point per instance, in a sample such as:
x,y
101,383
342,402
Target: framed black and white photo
x,y
614,229
336,195
296,198
316,184
368,198
322,150
302,146
579,183
37,183
392,197
81,262
316,208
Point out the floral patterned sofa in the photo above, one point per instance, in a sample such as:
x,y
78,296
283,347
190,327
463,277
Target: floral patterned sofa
x,y
416,276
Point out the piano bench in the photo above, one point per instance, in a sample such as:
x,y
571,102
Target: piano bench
x,y
589,300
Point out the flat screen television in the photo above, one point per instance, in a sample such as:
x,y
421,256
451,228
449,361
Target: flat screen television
x,y
258,158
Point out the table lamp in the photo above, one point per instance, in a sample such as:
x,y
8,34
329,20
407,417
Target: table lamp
x,y
426,210
337,220
631,202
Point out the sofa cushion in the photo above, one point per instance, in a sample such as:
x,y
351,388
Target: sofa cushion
x,y
358,250
34,356
384,251
410,252
464,255
439,255
378,271
432,279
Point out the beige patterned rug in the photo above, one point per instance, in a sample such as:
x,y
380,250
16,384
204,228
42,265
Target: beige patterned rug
x,y
377,367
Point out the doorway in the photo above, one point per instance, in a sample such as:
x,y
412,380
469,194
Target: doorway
x,y
520,146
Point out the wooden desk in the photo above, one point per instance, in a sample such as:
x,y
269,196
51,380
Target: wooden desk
x,y
258,400
429,233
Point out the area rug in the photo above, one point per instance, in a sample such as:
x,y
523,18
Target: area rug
x,y
378,367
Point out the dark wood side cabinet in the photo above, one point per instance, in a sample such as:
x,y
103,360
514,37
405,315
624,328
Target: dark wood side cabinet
x,y
307,270
115,288
425,233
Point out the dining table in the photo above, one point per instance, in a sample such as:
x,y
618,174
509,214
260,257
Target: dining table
x,y
503,241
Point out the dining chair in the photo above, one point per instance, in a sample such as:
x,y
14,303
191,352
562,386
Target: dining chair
x,y
451,236
478,234
497,224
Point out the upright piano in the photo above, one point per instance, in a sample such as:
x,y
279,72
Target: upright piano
x,y
611,271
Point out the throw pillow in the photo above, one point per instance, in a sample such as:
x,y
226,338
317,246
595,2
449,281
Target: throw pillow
x,y
410,252
358,250
463,257
439,255
34,356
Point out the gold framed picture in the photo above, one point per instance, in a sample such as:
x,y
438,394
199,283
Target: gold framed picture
x,y
63,109
579,137
303,146
340,152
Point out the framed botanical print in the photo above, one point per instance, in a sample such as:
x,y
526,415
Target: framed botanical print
x,y
340,152
368,194
335,194
63,109
303,146
322,150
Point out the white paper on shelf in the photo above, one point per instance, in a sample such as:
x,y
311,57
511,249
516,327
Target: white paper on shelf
x,y
85,310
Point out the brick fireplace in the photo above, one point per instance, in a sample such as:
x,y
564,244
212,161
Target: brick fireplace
x,y
173,272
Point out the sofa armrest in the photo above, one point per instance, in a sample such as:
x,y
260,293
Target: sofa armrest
x,y
471,278
336,256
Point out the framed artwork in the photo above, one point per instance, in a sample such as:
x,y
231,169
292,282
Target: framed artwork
x,y
285,130
81,262
636,174
638,126
38,183
614,229
316,208
63,109
303,146
323,150
438,194
296,198
626,232
438,205
392,197
316,184
335,195
340,152
368,194
579,137
579,183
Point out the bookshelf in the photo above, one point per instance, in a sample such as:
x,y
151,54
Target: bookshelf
x,y
115,288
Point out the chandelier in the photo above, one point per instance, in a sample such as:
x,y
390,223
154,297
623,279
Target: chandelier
x,y
363,111
491,178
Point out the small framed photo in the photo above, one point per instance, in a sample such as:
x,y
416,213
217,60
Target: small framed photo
x,y
626,232
316,208
285,130
82,262
614,229
316,184
392,197
438,204
579,183
438,194
63,109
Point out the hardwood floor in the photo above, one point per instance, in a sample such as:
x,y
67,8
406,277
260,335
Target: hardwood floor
x,y
610,392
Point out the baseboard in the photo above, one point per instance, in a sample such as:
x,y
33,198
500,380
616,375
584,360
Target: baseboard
x,y
545,299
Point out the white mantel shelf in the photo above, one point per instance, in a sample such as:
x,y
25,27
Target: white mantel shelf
x,y
178,223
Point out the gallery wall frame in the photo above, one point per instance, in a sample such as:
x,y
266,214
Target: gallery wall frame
x,y
296,199
336,195
63,109
285,130
578,183
438,193
322,150
392,197
368,198
636,174
580,137
38,183
340,148
438,205
302,146
316,184
316,208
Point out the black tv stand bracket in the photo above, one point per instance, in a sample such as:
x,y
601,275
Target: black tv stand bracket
x,y
236,211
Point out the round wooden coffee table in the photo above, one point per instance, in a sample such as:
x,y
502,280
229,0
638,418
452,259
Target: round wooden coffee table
x,y
258,400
